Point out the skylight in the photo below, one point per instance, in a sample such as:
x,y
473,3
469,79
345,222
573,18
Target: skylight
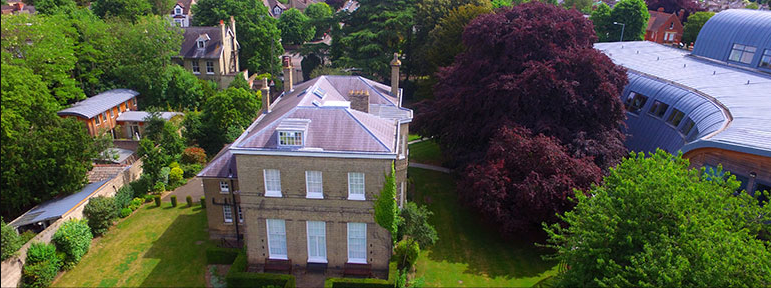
x,y
319,92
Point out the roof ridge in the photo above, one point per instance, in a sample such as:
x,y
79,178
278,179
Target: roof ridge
x,y
348,111
362,79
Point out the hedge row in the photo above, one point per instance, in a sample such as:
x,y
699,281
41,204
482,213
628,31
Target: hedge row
x,y
238,277
217,255
357,283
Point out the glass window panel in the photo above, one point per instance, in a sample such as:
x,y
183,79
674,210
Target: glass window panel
x,y
317,250
687,127
314,184
357,242
272,182
276,238
355,186
227,213
658,109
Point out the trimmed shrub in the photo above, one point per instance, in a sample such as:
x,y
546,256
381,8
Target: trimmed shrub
x,y
159,187
218,255
136,203
173,200
190,170
141,186
100,211
193,155
157,201
357,283
39,274
123,196
10,241
203,202
39,252
176,176
174,165
73,239
189,200
237,277
148,198
125,212
406,253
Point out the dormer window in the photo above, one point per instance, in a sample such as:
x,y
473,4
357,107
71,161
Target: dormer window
x,y
277,10
292,132
177,10
201,44
201,41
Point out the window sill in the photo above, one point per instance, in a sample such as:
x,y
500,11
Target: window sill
x,y
228,222
315,196
197,73
356,198
280,257
209,73
317,260
224,192
273,194
357,261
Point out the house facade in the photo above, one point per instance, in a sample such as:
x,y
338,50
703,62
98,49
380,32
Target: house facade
x,y
211,53
182,13
664,28
100,112
276,8
300,183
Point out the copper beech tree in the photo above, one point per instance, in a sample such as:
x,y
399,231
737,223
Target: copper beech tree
x,y
526,71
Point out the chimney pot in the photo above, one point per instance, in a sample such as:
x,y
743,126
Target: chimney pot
x,y
395,64
359,100
661,9
265,91
287,63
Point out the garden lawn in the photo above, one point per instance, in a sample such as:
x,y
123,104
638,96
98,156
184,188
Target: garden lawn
x,y
154,247
426,152
470,253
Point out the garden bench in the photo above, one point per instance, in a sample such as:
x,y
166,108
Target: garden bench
x,y
278,265
353,269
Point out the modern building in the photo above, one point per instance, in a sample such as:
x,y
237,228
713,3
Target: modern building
x,y
664,28
211,53
300,182
182,13
713,105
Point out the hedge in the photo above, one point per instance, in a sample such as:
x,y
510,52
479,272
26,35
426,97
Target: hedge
x,y
74,239
11,241
189,200
238,277
40,274
217,255
173,200
100,211
203,202
365,282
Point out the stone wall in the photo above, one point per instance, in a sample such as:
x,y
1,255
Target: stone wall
x,y
12,267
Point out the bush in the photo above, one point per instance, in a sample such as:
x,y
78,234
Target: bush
x,y
157,201
193,155
141,186
218,255
123,197
148,198
357,283
189,200
237,277
176,176
136,203
39,252
406,253
164,176
73,239
10,241
125,212
203,202
174,165
26,236
159,187
173,200
39,274
415,224
100,212
190,170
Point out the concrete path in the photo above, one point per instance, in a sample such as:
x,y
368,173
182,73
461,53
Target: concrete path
x,y
418,140
194,188
430,167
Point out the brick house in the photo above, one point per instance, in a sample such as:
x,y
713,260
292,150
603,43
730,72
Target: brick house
x,y
211,53
16,7
664,28
299,184
182,13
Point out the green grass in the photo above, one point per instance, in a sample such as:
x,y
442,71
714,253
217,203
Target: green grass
x,y
426,152
470,253
412,137
156,246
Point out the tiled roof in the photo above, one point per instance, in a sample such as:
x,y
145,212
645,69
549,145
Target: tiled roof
x,y
213,48
657,20
99,103
221,165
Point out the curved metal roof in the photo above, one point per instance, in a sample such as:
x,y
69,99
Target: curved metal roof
x,y
734,26
99,103
729,105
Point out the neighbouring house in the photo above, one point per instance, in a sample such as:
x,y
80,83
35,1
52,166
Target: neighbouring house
x,y
664,28
18,7
182,13
113,112
211,53
276,8
712,104
299,184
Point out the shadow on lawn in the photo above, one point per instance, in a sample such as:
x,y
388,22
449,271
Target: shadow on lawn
x,y
463,238
181,251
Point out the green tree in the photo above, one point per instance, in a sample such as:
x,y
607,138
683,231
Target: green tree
x,y
240,83
225,116
73,238
372,34
130,10
602,22
95,50
51,7
752,5
414,223
502,3
295,27
633,13
654,222
10,241
257,33
694,24
100,211
320,15
184,92
386,210
584,6
445,40
153,159
162,7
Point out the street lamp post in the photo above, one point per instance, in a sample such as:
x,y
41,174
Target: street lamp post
x,y
622,29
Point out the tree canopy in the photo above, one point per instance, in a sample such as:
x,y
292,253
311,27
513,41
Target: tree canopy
x,y
295,27
225,116
130,10
674,6
257,33
320,15
602,22
654,222
693,26
633,13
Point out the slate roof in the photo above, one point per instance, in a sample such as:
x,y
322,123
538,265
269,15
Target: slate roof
x,y
139,116
186,5
333,126
213,48
55,208
657,19
742,94
99,103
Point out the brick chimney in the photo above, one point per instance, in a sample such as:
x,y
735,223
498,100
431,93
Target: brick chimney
x,y
661,9
395,63
359,100
680,15
19,5
287,64
265,91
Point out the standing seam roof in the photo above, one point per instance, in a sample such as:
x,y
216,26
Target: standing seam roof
x,y
734,26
